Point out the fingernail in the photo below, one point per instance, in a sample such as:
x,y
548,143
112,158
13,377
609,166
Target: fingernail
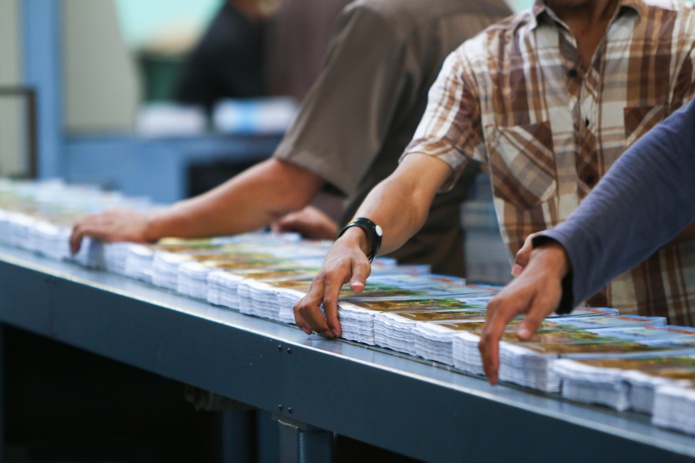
x,y
328,334
523,333
516,270
336,333
357,284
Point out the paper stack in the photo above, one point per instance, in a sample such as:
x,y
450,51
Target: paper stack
x,y
627,380
138,262
528,363
115,256
395,329
233,285
281,294
224,281
222,288
674,408
171,254
38,216
357,316
433,331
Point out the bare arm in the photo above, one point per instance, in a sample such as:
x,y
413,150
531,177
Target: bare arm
x,y
249,201
399,205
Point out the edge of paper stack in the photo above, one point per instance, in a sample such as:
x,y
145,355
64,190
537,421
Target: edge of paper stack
x,y
594,355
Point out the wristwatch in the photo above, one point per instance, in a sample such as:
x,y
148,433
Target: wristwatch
x,y
372,230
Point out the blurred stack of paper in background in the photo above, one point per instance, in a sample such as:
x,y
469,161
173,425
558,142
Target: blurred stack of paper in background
x,y
38,216
271,115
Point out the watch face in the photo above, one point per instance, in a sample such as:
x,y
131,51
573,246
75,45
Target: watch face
x,y
377,229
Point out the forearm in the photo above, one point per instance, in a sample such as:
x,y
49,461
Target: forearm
x,y
249,201
400,203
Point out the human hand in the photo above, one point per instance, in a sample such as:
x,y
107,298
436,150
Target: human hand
x,y
109,226
345,262
523,255
536,292
311,222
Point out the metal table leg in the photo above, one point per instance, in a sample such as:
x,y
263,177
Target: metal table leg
x,y
302,443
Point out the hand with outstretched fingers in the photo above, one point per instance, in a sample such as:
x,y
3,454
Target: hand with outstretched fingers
x,y
536,293
345,262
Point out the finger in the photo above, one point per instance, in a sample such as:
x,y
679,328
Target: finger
x,y
360,273
75,240
333,322
498,315
522,257
517,269
312,319
332,284
89,225
299,320
489,353
542,305
308,312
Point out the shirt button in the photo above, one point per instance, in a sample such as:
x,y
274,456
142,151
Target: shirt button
x,y
572,73
590,179
586,122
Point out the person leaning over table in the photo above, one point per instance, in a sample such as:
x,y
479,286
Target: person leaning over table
x,y
642,203
349,134
548,99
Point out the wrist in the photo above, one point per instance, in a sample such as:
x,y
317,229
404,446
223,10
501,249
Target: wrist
x,y
154,225
553,256
357,237
369,237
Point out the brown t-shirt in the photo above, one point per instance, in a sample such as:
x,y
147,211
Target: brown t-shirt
x,y
299,34
365,106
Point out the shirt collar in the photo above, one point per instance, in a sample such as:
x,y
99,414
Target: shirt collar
x,y
540,9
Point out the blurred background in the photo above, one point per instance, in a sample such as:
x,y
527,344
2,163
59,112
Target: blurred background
x,y
131,95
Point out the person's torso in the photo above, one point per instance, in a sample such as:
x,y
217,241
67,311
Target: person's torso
x,y
552,127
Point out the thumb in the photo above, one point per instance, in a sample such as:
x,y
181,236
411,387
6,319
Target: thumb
x,y
523,256
359,277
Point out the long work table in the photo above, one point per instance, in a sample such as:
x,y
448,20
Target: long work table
x,y
315,387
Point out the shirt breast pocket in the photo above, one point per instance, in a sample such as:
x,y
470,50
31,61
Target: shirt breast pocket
x,y
522,164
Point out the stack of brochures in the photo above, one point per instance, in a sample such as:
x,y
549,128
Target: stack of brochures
x,y
628,379
38,216
171,254
593,355
394,322
224,279
273,298
465,345
357,316
529,363
674,408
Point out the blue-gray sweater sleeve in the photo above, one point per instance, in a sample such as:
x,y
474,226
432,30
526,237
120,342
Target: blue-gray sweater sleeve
x,y
644,201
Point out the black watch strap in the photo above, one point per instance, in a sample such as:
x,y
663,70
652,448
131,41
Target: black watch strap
x,y
372,230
